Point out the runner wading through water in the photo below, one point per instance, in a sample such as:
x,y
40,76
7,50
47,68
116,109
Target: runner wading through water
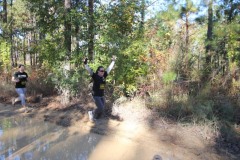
x,y
20,78
99,82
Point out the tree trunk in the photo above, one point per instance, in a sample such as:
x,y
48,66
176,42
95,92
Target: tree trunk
x,y
4,11
186,48
67,31
11,37
34,42
187,34
23,49
230,14
91,29
41,36
29,47
16,52
141,28
34,53
209,34
77,30
65,91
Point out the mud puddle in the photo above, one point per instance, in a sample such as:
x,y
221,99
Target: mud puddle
x,y
31,138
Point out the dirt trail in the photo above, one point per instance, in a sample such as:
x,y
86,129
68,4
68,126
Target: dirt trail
x,y
132,138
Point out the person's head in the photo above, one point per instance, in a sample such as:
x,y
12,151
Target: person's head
x,y
100,71
21,67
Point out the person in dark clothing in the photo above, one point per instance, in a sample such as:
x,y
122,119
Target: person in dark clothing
x,y
99,82
20,78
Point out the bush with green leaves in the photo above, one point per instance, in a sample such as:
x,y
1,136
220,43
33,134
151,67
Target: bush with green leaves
x,y
130,66
74,80
4,55
169,77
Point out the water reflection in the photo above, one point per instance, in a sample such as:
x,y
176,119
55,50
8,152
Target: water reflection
x,y
28,139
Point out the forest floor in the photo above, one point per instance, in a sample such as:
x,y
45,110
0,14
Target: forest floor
x,y
133,120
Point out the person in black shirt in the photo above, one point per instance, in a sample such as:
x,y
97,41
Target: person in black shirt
x,y
20,78
99,82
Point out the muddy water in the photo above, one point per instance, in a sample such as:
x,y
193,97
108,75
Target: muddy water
x,y
25,138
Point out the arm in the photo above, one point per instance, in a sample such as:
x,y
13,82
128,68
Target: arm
x,y
87,67
14,78
110,67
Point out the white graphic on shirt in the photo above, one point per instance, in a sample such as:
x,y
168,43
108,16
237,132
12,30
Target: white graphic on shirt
x,y
22,76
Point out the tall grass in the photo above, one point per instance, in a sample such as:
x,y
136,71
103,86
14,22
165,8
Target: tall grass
x,y
179,104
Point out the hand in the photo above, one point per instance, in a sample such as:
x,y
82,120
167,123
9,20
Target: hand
x,y
16,80
114,58
85,61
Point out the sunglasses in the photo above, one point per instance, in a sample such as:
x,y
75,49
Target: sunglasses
x,y
101,70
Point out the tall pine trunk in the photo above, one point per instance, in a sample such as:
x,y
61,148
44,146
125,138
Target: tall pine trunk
x,y
4,11
91,29
16,55
65,91
209,35
77,30
230,13
142,12
29,47
11,36
23,49
187,42
41,37
67,30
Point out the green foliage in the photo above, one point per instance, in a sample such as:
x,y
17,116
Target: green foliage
x,y
122,18
130,66
203,110
22,16
51,50
225,111
169,77
188,8
39,29
41,25
5,55
164,25
233,44
73,81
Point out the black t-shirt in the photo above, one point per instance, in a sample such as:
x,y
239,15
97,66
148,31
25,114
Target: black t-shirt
x,y
22,76
99,84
